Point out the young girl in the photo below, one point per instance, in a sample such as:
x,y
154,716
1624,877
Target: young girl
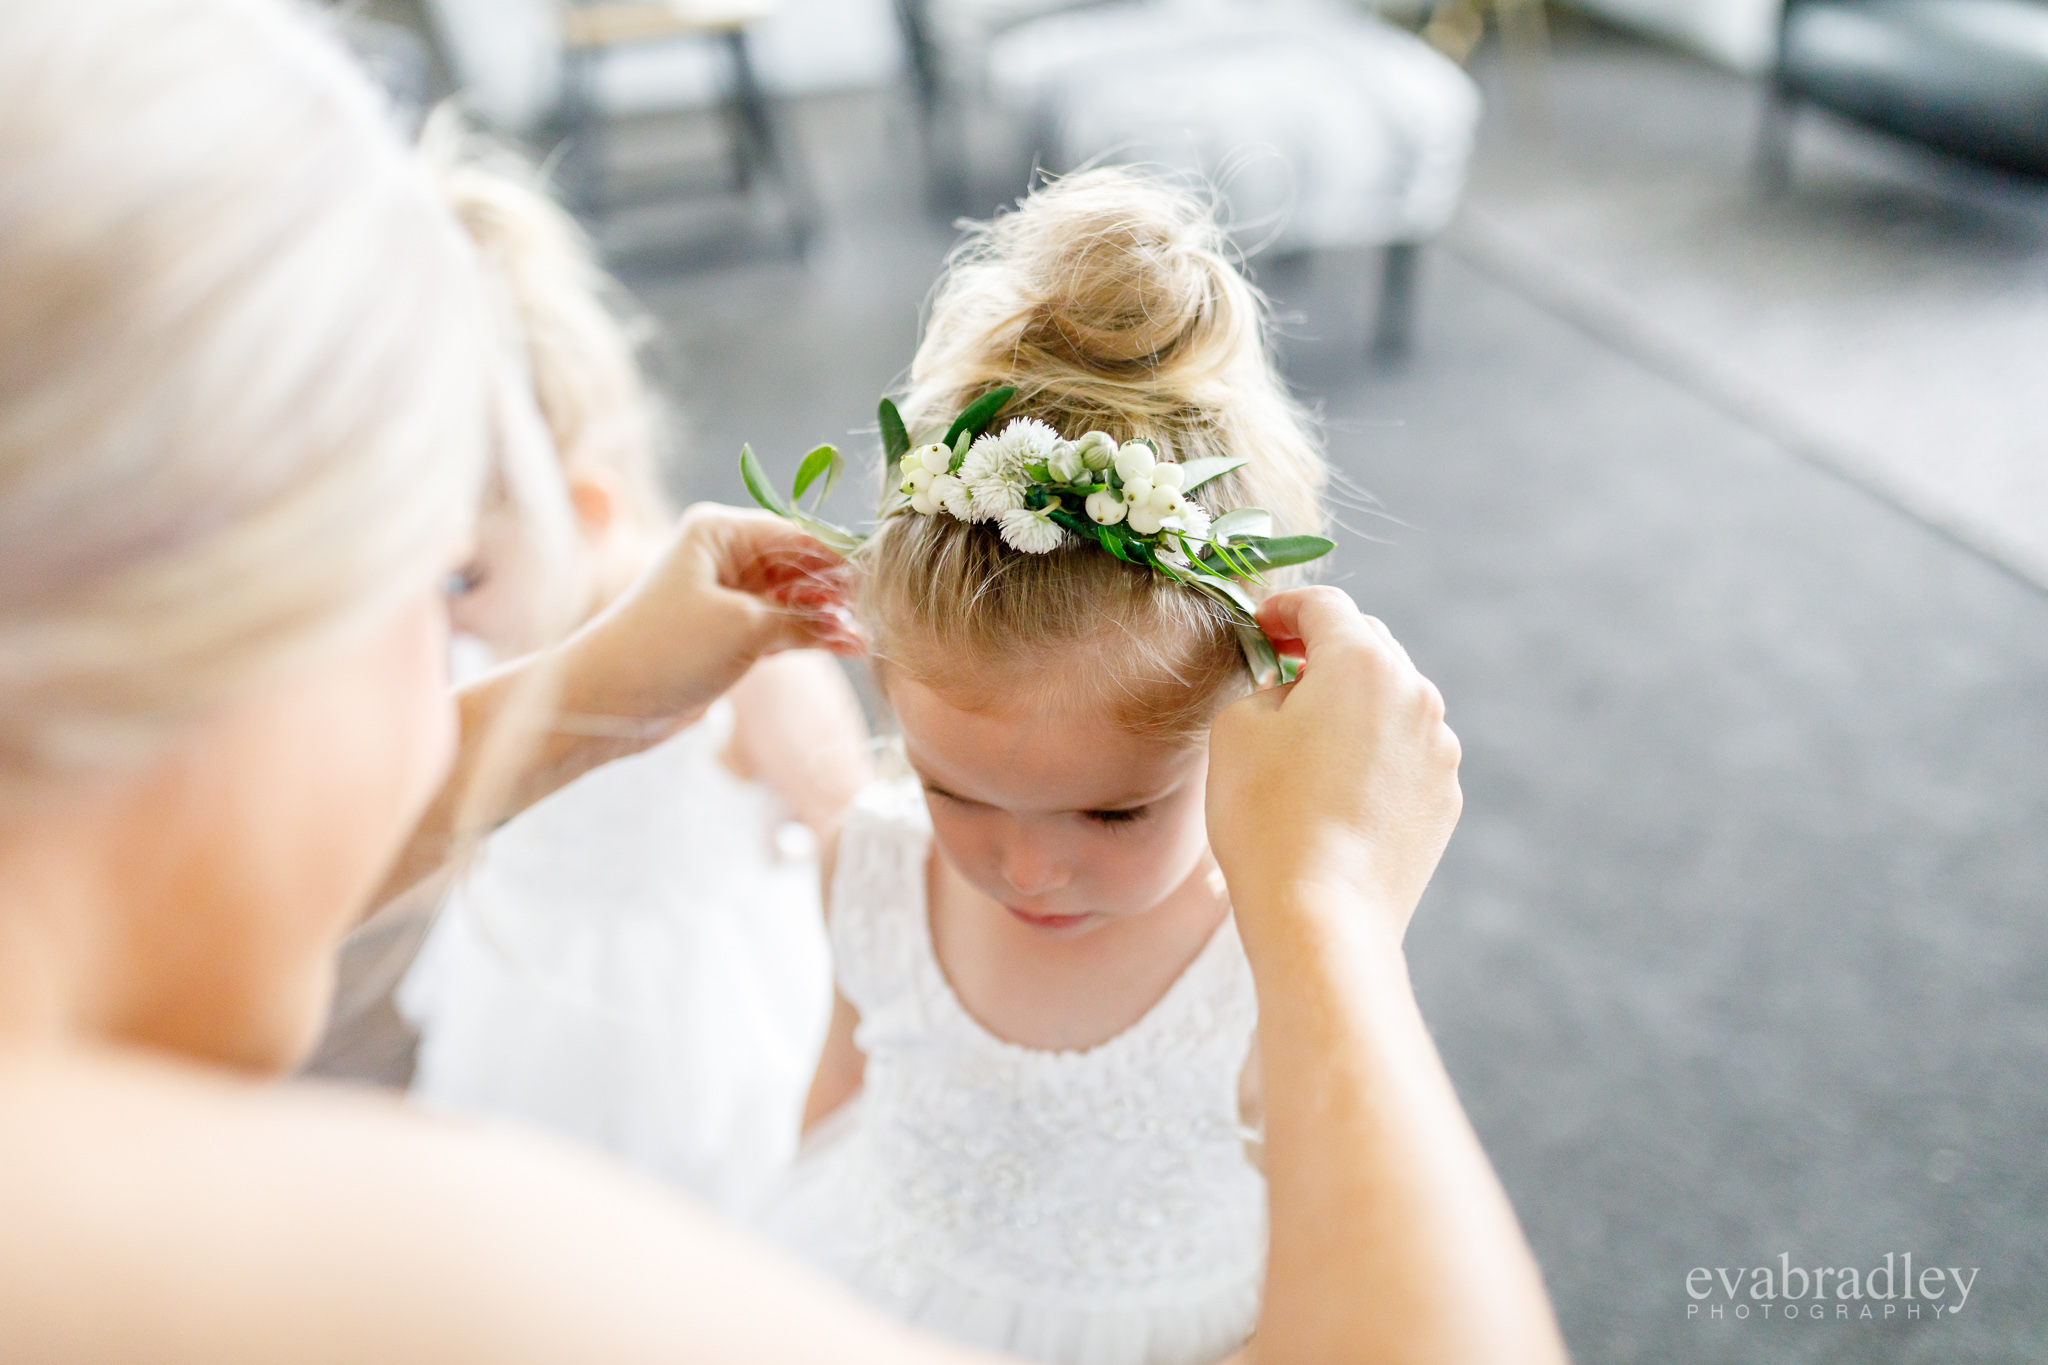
x,y
638,961
1036,1130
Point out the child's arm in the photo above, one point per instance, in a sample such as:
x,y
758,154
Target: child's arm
x,y
841,1065
798,728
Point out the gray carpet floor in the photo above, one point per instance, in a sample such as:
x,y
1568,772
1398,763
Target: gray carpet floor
x,y
1739,949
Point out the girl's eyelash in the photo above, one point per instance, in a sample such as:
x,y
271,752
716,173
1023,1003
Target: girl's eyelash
x,y
464,581
1115,818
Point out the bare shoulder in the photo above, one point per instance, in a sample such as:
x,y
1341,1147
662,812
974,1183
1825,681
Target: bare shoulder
x,y
161,1212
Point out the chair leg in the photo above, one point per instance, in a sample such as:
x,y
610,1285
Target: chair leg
x,y
1393,328
750,104
1773,159
943,156
583,130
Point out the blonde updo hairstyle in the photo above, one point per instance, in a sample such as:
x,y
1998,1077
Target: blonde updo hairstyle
x,y
249,378
1109,300
578,332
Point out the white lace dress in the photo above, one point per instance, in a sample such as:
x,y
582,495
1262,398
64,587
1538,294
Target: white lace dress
x,y
1088,1208
637,962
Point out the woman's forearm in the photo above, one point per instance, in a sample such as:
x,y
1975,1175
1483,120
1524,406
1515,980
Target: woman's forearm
x,y
1392,1239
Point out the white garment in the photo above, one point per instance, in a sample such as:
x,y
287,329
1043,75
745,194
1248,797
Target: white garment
x,y
1089,1208
638,962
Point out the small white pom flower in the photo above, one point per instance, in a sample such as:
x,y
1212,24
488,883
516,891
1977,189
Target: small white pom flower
x,y
1135,461
1172,550
1138,491
1166,475
994,468
1065,465
1194,518
1032,532
920,479
1145,520
1105,507
1097,450
950,493
922,504
936,458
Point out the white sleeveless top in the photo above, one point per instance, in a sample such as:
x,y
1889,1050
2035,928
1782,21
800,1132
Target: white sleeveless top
x,y
1088,1208
637,962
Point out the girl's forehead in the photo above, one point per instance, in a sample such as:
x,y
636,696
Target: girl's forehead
x,y
1033,749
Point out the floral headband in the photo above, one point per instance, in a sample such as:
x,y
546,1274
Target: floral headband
x,y
1041,493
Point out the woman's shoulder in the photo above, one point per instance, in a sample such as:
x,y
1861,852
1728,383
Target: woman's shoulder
x,y
162,1211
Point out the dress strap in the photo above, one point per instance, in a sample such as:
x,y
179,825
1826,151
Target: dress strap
x,y
878,894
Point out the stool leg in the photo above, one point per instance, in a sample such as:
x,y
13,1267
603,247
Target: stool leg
x,y
750,102
1393,328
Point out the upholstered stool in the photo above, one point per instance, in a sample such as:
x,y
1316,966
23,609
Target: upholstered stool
x,y
1322,128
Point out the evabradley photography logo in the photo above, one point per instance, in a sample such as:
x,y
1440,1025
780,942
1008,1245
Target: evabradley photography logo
x,y
1901,1288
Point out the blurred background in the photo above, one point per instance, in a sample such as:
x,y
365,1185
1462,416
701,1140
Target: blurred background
x,y
1686,355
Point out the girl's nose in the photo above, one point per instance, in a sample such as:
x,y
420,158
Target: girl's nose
x,y
1031,868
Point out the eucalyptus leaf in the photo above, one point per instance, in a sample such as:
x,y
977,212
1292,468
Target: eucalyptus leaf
x,y
824,462
1198,472
1242,522
1267,668
980,413
1228,593
895,438
756,480
1265,553
825,533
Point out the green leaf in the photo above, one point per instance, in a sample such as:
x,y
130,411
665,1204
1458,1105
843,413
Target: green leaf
x,y
1243,521
980,413
1265,663
825,533
757,483
895,439
1278,553
1229,594
823,461
1199,472
1113,543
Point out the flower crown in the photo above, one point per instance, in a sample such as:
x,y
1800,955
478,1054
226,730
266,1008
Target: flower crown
x,y
1042,492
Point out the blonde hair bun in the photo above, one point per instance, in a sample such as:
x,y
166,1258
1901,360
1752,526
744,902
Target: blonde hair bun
x,y
1110,301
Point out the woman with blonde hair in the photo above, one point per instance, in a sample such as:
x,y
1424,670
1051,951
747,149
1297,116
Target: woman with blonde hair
x,y
247,395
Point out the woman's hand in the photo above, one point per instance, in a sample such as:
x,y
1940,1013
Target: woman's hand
x,y
730,587
1346,779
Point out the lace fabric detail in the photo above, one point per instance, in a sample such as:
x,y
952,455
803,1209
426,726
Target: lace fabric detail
x,y
1111,1181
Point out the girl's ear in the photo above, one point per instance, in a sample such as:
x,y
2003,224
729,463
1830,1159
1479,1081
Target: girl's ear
x,y
594,493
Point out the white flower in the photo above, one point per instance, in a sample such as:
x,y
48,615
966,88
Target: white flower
x,y
1138,491
1097,450
1166,475
1194,519
1135,461
936,458
1032,532
922,504
918,481
994,468
1105,507
1065,465
950,493
1145,520
1172,550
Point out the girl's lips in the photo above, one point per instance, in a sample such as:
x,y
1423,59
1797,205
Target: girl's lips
x,y
1038,921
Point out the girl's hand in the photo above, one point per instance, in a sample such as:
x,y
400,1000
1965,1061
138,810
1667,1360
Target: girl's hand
x,y
730,587
1346,779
